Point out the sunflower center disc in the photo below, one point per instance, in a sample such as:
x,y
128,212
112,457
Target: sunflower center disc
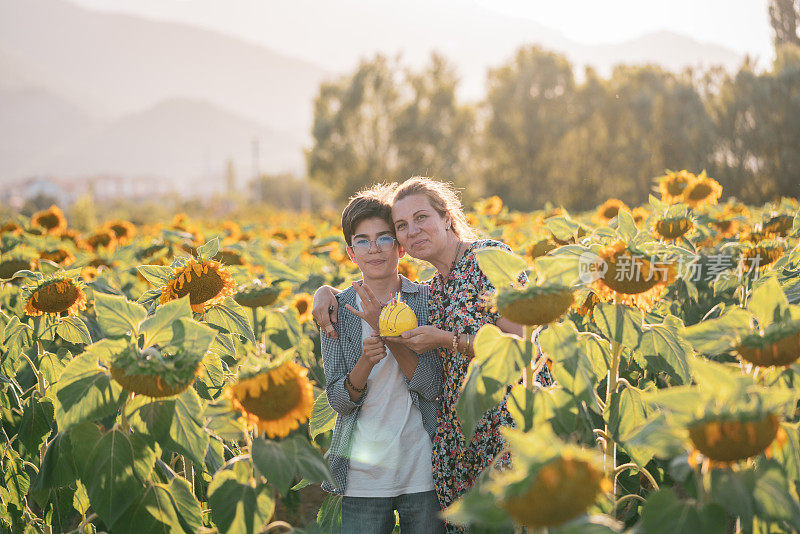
x,y
201,288
273,402
630,278
51,301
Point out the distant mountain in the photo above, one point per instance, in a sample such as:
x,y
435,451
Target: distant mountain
x,y
473,36
667,49
33,122
130,63
87,92
187,142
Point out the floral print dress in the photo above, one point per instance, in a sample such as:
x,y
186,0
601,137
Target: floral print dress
x,y
459,305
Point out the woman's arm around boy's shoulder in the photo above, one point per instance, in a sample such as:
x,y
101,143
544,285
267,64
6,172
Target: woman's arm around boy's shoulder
x,y
336,369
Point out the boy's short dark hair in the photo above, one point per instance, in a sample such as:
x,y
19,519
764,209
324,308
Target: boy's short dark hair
x,y
366,204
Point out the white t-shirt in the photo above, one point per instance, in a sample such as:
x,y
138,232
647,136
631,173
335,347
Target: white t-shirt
x,y
391,451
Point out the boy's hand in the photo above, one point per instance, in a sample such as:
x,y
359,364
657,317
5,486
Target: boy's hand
x,y
374,349
370,305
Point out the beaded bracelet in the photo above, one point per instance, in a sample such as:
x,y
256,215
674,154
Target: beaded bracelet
x,y
455,341
349,382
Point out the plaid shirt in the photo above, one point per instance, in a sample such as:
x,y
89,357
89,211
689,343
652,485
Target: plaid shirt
x,y
339,356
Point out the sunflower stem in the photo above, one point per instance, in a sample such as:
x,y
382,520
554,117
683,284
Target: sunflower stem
x,y
188,471
123,419
527,382
700,472
641,470
610,446
255,322
40,387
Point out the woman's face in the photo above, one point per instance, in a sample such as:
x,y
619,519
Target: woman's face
x,y
420,229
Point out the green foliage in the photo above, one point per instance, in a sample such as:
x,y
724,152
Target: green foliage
x,y
237,503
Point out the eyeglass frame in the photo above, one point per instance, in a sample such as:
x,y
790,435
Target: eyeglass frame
x,y
370,242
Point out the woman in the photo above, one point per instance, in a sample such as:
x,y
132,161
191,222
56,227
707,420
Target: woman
x,y
430,225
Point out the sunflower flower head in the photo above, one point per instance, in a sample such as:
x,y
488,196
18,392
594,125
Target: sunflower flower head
x,y
672,228
760,256
231,232
490,206
540,248
55,296
608,210
124,231
551,482
275,400
727,228
534,305
703,191
11,227
778,225
60,256
725,439
779,345
257,294
407,269
673,184
303,303
207,283
102,239
51,221
230,257
640,215
11,264
155,373
563,489
632,279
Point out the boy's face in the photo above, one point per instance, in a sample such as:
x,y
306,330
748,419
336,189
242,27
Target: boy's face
x,y
375,261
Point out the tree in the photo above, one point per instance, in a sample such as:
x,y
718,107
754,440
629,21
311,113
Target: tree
x,y
784,17
433,131
528,105
353,129
387,124
757,118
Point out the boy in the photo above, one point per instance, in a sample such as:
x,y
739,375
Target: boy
x,y
384,394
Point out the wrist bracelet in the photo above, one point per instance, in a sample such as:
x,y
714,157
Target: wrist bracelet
x,y
349,382
455,341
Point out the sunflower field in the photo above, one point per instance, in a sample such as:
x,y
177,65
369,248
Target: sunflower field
x,y
168,378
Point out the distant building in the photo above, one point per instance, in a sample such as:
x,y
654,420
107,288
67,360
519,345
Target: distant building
x,y
65,191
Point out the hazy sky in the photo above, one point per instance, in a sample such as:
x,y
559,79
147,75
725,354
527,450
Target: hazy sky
x,y
740,25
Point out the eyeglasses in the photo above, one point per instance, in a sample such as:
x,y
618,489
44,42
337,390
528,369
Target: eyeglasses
x,y
383,242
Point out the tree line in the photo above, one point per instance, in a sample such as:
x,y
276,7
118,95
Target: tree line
x,y
541,135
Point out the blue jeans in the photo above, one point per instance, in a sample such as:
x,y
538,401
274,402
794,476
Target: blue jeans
x,y
419,514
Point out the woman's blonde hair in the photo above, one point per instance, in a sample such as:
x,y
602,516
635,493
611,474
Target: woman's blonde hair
x,y
443,197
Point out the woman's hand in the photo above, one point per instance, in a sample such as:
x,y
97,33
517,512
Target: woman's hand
x,y
423,338
370,305
325,309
